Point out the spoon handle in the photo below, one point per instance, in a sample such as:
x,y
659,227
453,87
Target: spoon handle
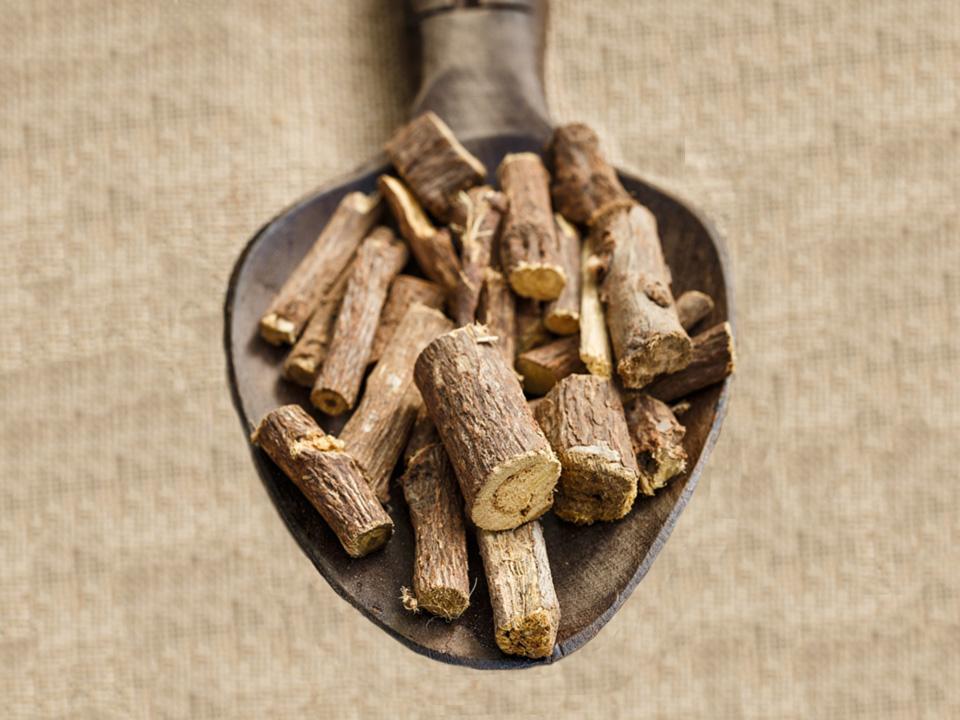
x,y
482,66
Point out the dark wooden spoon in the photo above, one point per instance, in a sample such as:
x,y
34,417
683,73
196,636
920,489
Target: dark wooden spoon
x,y
482,74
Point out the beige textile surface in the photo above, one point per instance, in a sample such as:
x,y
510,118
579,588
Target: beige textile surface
x,y
146,574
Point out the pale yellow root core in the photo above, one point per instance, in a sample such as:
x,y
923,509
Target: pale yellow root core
x,y
598,365
277,330
407,208
540,282
516,492
302,371
594,340
532,635
562,322
661,354
329,401
369,540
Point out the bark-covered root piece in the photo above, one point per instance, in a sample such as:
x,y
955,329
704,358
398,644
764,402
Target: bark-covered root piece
x,y
327,476
641,316
440,581
497,311
526,613
594,339
435,165
380,258
583,419
303,362
692,307
657,440
584,184
531,332
432,248
504,465
377,432
544,366
301,293
562,316
484,208
405,290
529,247
712,360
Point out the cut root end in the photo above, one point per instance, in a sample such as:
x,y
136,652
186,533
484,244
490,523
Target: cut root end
x,y
370,540
532,636
517,492
277,330
540,282
329,402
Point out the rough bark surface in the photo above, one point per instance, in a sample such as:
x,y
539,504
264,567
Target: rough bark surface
x,y
376,433
405,290
327,476
584,184
531,332
594,340
562,316
423,435
692,307
498,312
435,165
484,208
657,441
529,248
641,316
544,366
379,260
303,362
432,248
440,581
583,419
526,612
292,307
505,466
713,359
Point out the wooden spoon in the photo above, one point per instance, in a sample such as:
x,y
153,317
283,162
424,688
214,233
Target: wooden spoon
x,y
482,75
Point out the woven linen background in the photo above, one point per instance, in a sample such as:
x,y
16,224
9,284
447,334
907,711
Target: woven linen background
x,y
816,572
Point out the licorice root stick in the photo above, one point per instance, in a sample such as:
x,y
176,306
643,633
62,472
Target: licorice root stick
x,y
484,209
692,307
529,248
657,440
713,359
526,612
303,362
301,293
405,290
327,476
376,433
583,419
594,339
440,582
432,248
504,465
562,316
543,366
378,261
641,316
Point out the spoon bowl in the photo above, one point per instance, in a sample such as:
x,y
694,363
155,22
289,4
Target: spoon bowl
x,y
595,568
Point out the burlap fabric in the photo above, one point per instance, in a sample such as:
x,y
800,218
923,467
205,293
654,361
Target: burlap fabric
x,y
146,574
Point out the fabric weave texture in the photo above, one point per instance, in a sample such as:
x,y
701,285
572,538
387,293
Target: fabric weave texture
x,y
144,572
